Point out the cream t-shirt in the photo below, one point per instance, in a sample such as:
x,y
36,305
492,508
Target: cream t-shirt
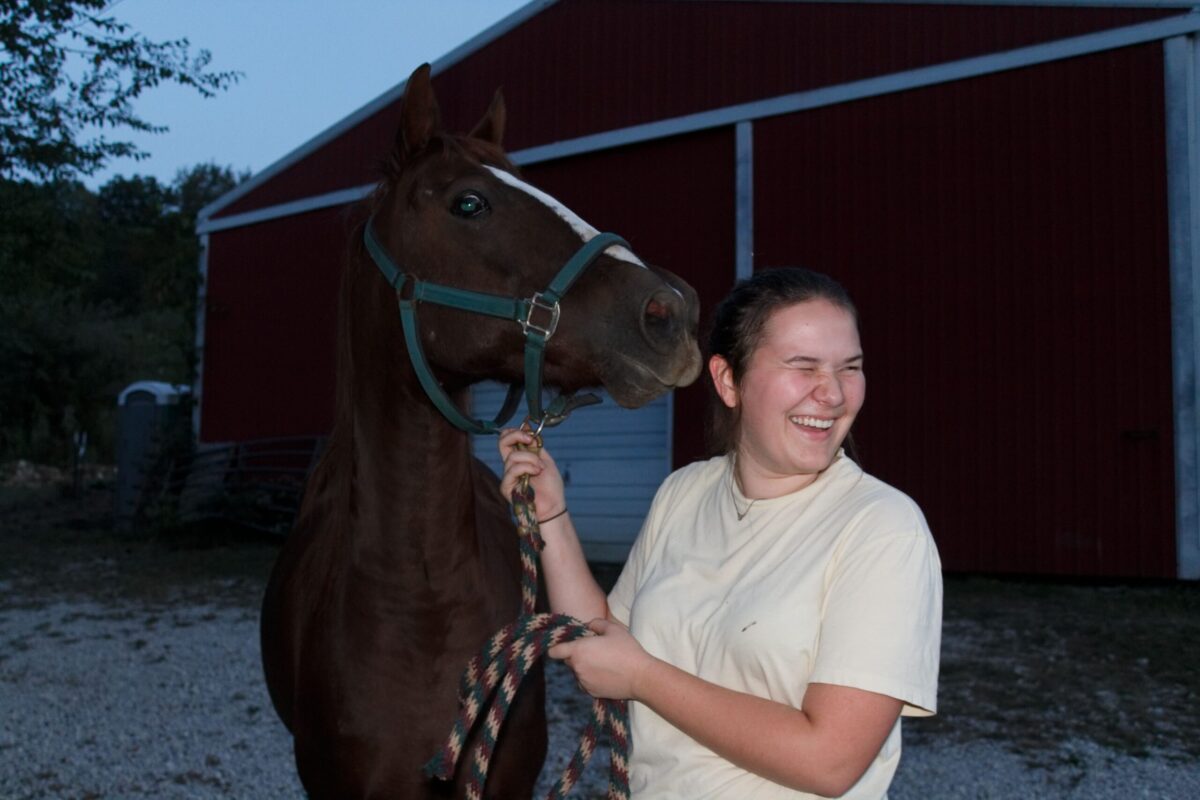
x,y
837,583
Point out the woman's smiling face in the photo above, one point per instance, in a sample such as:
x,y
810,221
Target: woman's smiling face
x,y
801,391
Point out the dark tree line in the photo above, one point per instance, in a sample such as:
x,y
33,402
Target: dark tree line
x,y
97,289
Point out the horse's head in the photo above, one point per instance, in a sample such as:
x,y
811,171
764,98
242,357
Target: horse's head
x,y
453,211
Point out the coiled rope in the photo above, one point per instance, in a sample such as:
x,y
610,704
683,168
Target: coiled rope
x,y
495,674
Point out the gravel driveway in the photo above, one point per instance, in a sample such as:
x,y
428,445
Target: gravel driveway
x,y
113,685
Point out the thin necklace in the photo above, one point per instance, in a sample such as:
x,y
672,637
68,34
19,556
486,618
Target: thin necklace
x,y
741,515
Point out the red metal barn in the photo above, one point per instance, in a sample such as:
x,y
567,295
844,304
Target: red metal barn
x,y
1009,190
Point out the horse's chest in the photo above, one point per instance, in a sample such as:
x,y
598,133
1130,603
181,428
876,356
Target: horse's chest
x,y
418,637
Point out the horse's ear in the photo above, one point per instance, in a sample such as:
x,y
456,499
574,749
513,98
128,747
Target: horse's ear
x,y
491,127
420,118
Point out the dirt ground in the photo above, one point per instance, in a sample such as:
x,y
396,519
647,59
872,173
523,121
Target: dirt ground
x,y
1027,664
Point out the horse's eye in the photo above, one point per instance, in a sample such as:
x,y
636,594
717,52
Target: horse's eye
x,y
469,204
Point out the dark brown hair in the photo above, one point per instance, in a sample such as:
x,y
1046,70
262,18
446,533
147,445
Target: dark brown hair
x,y
737,330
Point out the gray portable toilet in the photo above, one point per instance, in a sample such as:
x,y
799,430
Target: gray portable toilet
x,y
147,414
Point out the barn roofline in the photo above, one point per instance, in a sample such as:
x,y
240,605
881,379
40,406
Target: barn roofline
x,y
520,16
975,66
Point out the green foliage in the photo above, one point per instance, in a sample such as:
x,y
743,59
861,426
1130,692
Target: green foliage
x,y
48,237
97,290
69,72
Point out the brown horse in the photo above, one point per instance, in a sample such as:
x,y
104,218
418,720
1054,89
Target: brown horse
x,y
404,556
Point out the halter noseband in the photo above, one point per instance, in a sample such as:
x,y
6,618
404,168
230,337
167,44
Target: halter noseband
x,y
537,316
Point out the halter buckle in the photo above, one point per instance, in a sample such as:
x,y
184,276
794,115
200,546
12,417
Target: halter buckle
x,y
536,304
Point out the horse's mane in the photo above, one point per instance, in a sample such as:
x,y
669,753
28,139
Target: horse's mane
x,y
389,169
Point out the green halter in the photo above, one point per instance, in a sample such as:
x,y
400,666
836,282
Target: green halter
x,y
537,316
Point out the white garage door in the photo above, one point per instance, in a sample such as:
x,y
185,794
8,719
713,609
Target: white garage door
x,y
612,460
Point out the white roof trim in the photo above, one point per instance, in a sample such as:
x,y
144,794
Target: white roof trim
x,y
339,198
536,7
784,104
871,87
390,96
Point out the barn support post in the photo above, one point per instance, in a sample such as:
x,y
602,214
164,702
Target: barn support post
x,y
201,304
1181,58
743,192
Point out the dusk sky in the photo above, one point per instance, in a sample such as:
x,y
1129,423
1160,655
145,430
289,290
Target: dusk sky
x,y
306,64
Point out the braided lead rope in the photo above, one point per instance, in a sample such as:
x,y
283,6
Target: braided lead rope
x,y
479,682
497,671
612,717
529,533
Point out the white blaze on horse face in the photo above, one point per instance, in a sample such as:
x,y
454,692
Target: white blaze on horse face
x,y
577,223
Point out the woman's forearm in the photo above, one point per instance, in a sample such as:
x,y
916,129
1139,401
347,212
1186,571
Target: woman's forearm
x,y
823,749
570,585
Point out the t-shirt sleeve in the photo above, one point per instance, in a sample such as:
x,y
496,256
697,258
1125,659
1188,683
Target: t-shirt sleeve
x,y
620,599
881,625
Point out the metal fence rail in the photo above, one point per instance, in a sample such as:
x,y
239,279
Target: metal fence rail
x,y
256,484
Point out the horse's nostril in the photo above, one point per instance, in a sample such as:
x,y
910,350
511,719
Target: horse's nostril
x,y
660,320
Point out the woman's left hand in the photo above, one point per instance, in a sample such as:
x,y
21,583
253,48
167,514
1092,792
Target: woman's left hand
x,y
606,665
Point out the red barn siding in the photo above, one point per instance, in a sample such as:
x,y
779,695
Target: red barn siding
x,y
270,324
1011,268
583,66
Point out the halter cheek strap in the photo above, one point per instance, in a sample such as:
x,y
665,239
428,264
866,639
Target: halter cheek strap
x,y
538,317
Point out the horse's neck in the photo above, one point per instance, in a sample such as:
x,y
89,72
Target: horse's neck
x,y
403,476
412,490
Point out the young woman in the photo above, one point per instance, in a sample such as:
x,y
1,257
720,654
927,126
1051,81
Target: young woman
x,y
780,609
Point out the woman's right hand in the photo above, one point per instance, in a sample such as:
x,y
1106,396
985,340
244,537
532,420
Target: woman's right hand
x,y
548,491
